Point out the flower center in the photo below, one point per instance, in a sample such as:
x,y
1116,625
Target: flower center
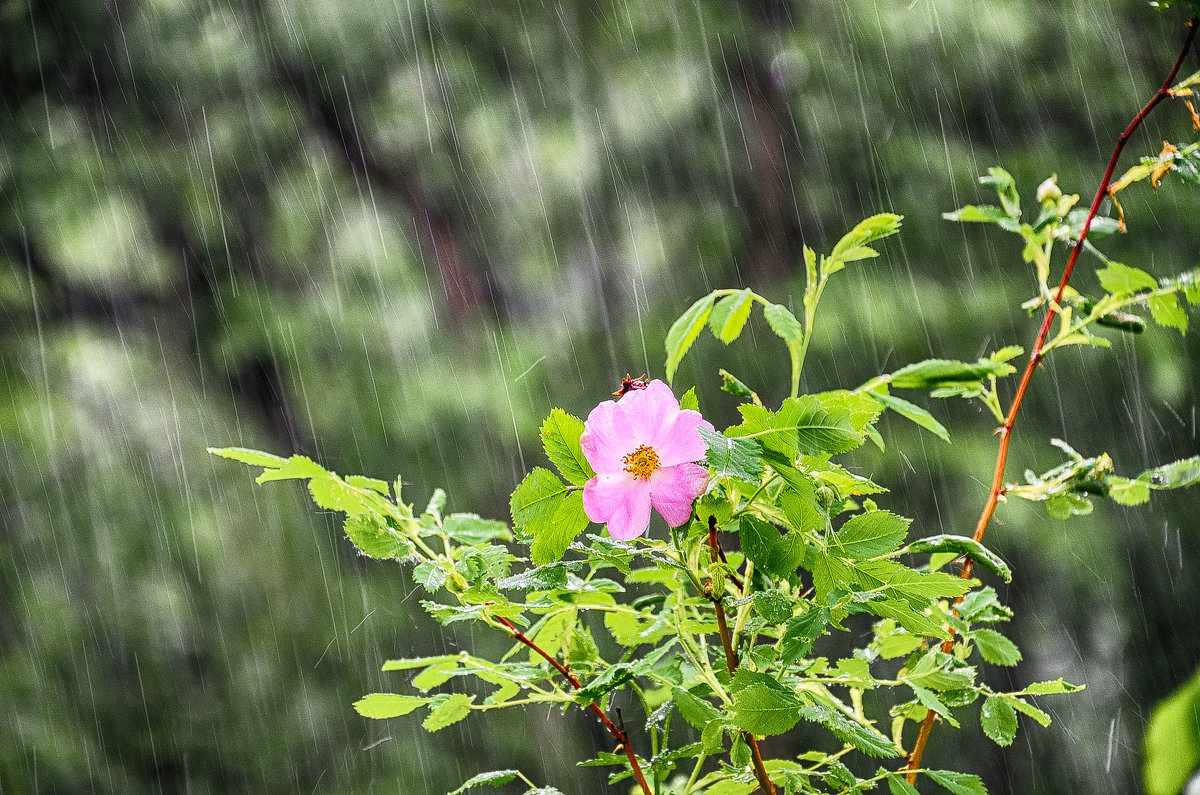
x,y
641,463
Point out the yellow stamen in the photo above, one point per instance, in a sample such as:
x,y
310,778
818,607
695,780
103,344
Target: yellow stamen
x,y
641,463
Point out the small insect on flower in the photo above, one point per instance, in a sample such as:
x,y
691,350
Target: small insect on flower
x,y
643,448
629,384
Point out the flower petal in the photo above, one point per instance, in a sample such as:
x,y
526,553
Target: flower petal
x,y
649,410
607,438
680,440
620,501
674,489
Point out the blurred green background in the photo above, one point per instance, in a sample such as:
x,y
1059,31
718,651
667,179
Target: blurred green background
x,y
392,235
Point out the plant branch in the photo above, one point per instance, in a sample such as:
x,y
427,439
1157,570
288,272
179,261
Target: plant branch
x,y
731,662
618,733
1035,358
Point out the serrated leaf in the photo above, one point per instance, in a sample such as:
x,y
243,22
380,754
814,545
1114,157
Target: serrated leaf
x,y
850,247
375,539
1175,475
684,331
783,323
942,373
550,541
494,778
560,434
999,721
764,710
447,709
429,575
1006,189
471,529
1119,278
1167,312
1172,742
333,494
733,385
1026,708
958,783
995,648
898,786
801,425
983,213
1052,687
296,467
914,413
256,458
777,554
688,401
387,705
866,740
964,546
729,315
536,499
869,535
737,458
1124,491
928,699
695,710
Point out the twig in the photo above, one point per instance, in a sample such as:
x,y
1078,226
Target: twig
x,y
731,662
618,734
1035,358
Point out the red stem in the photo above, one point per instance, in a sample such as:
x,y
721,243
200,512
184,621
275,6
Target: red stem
x,y
731,661
618,734
1035,358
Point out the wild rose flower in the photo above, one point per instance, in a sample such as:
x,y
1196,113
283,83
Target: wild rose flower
x,y
643,447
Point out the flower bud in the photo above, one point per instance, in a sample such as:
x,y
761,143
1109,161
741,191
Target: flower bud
x,y
1048,193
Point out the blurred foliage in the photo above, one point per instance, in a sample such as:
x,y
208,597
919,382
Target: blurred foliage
x,y
392,235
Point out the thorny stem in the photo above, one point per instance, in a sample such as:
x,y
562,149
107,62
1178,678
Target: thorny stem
x,y
618,733
714,548
1035,358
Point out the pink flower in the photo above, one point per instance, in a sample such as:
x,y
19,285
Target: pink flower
x,y
642,448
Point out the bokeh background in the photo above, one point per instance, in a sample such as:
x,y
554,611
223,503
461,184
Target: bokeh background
x,y
392,234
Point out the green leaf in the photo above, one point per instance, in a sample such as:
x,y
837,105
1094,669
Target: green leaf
x,y
684,331
611,678
297,467
695,710
1052,687
764,710
1167,312
852,246
1026,708
536,499
1173,740
733,385
429,575
783,323
495,778
914,413
995,648
560,440
869,535
1006,189
999,721
828,572
940,373
919,589
1118,278
929,700
447,709
958,783
737,458
898,786
986,214
550,541
1175,475
964,546
1124,491
689,401
802,632
469,528
387,705
803,425
255,458
375,539
866,740
333,494
729,315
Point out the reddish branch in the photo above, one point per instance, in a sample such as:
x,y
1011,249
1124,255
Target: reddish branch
x,y
618,733
731,662
1035,358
